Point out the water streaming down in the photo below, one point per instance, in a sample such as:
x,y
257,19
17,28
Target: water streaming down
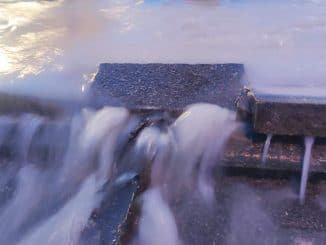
x,y
309,141
157,224
51,204
266,147
184,156
27,127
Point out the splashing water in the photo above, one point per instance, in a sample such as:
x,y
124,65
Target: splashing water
x,y
184,156
309,141
200,134
194,141
52,198
52,204
266,147
157,218
67,224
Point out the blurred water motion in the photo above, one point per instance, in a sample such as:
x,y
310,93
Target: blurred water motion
x,y
49,48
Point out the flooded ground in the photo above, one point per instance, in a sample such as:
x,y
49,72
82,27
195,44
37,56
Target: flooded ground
x,y
254,211
51,48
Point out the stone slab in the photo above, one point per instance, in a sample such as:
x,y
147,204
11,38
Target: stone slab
x,y
166,86
288,115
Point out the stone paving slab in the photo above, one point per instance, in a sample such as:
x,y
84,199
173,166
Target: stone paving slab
x,y
166,86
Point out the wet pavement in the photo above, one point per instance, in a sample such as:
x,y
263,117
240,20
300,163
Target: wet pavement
x,y
251,210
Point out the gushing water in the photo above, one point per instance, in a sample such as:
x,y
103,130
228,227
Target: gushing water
x,y
28,125
67,224
50,199
309,141
157,224
184,156
51,204
266,147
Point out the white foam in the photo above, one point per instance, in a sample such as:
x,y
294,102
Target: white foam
x,y
157,224
184,156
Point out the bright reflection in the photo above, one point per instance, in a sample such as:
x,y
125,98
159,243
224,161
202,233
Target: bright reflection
x,y
4,62
47,46
31,52
19,13
25,51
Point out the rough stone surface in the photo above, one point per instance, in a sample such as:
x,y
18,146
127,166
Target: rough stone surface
x,y
253,211
285,153
289,115
166,86
16,105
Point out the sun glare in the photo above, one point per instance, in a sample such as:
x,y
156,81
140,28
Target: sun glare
x,y
4,62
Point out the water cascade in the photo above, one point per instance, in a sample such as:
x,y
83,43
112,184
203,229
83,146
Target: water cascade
x,y
51,203
184,156
309,141
52,192
266,147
